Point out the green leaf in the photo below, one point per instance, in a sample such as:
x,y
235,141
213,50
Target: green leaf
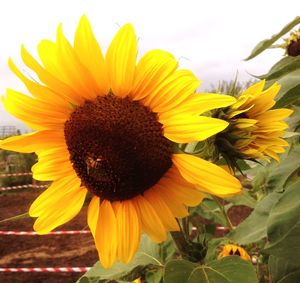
x,y
283,67
253,228
261,46
154,277
178,271
289,97
282,270
166,250
209,209
288,92
275,176
231,269
243,199
284,226
212,250
145,260
294,120
293,277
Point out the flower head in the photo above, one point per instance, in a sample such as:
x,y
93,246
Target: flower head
x,y
231,249
292,44
255,129
106,126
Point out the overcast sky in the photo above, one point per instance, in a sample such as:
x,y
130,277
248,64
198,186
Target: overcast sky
x,y
211,38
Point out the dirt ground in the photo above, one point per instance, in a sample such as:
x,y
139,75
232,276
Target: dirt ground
x,y
41,251
51,250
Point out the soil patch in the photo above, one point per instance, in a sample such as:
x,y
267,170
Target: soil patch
x,y
41,251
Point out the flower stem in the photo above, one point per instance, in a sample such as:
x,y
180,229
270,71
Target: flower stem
x,y
188,250
180,243
222,208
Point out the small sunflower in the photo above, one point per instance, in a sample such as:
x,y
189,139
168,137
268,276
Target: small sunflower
x,y
106,126
292,44
255,129
231,249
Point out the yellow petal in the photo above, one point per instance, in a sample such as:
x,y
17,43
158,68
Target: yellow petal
x,y
58,209
38,90
74,72
89,53
271,140
272,154
129,231
92,214
207,176
121,59
153,68
176,186
38,114
237,112
242,123
273,127
264,101
201,102
56,192
274,115
53,164
162,210
61,211
172,91
247,97
150,221
174,203
34,141
187,128
106,234
255,89
47,52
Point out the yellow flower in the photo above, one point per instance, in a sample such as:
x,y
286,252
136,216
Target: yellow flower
x,y
230,249
255,130
107,126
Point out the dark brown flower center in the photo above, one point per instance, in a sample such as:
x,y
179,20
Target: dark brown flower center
x,y
117,147
294,48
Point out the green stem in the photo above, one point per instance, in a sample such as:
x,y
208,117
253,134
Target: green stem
x,y
180,241
185,227
17,217
222,208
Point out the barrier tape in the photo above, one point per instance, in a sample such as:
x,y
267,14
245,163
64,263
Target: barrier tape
x,y
15,174
218,228
32,233
23,187
44,269
71,232
222,228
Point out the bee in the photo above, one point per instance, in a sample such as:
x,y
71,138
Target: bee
x,y
92,164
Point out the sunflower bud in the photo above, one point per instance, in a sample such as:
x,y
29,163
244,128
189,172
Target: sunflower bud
x,y
292,44
254,131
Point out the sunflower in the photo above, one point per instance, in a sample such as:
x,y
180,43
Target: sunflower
x,y
106,126
292,44
255,129
231,249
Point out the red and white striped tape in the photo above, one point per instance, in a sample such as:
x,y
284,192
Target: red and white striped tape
x,y
222,228
31,233
23,187
15,174
44,269
218,228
